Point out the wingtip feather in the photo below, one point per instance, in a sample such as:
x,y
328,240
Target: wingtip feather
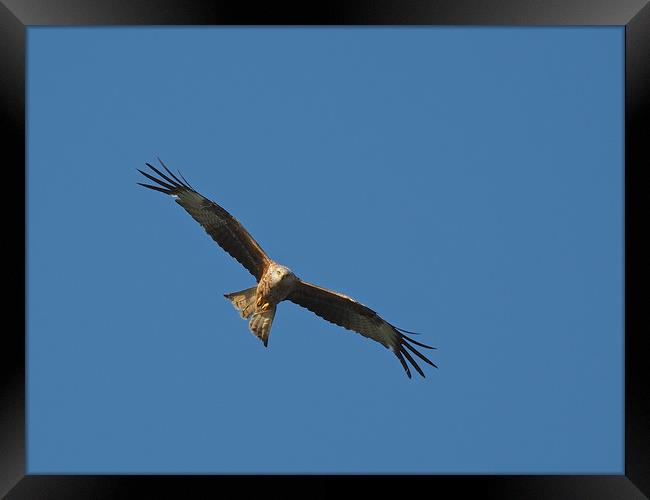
x,y
417,353
406,337
171,173
172,182
155,188
401,360
412,361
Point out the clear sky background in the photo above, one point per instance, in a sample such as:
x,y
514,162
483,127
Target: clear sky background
x,y
464,183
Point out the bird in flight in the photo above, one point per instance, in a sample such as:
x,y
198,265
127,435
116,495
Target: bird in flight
x,y
276,282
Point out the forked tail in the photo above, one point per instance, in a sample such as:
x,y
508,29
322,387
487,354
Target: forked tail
x,y
243,301
260,320
260,324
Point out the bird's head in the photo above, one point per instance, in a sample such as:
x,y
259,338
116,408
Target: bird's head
x,y
282,273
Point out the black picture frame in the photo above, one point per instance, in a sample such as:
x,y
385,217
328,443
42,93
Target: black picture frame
x,y
634,15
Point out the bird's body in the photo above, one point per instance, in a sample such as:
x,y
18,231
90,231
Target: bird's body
x,y
276,283
259,302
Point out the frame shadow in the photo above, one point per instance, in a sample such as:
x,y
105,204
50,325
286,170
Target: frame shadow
x,y
17,15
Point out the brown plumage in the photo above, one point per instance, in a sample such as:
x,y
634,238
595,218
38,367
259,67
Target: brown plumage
x,y
276,282
219,224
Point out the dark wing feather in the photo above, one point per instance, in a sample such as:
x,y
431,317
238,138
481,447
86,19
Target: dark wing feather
x,y
217,222
348,313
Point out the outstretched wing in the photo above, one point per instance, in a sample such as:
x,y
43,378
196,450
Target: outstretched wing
x,y
217,222
348,313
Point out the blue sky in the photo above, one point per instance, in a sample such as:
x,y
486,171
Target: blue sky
x,y
464,183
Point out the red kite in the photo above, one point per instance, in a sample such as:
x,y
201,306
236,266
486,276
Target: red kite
x,y
275,282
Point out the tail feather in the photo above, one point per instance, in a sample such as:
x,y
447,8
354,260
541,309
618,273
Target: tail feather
x,y
260,324
244,301
260,321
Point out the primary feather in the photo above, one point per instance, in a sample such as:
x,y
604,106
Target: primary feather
x,y
217,222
